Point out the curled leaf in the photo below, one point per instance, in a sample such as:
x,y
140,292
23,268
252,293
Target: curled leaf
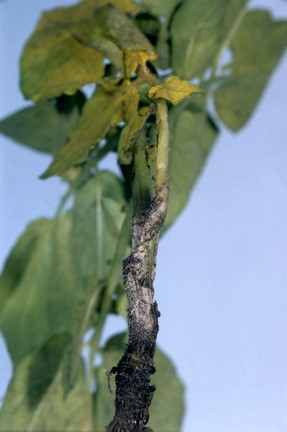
x,y
130,134
132,59
174,90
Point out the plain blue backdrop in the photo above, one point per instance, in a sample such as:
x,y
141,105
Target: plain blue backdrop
x,y
221,278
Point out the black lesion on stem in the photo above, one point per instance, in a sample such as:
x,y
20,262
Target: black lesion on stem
x,y
134,391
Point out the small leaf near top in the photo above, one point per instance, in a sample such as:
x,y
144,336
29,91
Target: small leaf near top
x,y
132,59
174,90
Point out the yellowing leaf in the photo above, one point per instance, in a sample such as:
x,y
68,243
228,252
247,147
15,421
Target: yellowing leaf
x,y
101,112
130,134
57,58
132,59
60,56
111,51
126,34
174,90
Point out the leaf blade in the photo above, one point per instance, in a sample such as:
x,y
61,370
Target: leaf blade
x,y
40,127
35,396
102,111
193,30
174,90
258,45
51,270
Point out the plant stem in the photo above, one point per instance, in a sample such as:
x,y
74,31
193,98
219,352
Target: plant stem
x,y
133,390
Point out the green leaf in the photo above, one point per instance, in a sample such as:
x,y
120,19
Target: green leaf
x,y
192,135
55,264
35,399
97,218
130,134
174,90
40,292
258,45
167,406
41,127
103,111
199,30
161,7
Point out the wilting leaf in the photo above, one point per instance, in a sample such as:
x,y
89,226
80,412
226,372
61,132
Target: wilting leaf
x,y
59,57
130,134
258,45
111,51
116,36
199,30
167,405
35,400
192,135
132,59
40,127
174,90
101,112
113,23
46,277
161,7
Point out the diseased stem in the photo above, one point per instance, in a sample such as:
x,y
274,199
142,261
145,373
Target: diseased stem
x,y
133,390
